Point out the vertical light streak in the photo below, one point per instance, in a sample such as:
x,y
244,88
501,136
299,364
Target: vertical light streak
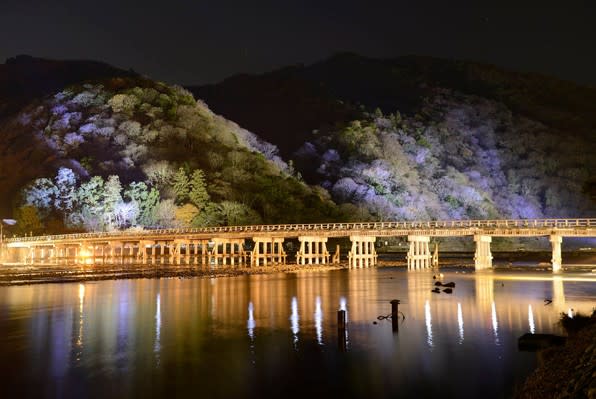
x,y
250,324
460,323
531,319
81,321
495,322
294,319
429,324
319,320
157,346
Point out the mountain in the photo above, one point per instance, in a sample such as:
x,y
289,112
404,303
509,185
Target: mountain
x,y
84,146
420,137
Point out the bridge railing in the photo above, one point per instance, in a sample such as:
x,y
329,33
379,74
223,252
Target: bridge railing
x,y
305,227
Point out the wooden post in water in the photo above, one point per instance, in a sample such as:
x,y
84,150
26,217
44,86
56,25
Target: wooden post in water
x,y
341,330
394,315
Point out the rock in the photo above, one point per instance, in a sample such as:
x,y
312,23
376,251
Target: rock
x,y
533,342
450,285
448,290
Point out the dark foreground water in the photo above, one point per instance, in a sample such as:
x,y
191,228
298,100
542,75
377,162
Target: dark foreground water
x,y
276,335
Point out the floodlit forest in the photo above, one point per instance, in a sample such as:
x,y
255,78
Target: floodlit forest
x,y
108,149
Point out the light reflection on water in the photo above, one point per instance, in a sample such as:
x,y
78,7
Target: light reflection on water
x,y
231,337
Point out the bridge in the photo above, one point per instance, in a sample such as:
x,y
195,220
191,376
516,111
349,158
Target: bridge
x,y
228,245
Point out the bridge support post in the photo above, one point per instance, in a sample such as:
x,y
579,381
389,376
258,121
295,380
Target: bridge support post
x,y
483,259
363,252
272,250
557,259
419,256
313,249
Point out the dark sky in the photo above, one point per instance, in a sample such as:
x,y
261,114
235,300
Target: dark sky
x,y
193,42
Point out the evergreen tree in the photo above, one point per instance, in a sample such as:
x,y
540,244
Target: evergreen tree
x,y
181,186
198,194
111,198
146,199
66,195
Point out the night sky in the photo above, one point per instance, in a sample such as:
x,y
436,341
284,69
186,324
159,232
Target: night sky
x,y
196,42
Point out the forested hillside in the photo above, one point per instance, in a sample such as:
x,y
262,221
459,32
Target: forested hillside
x,y
419,138
127,151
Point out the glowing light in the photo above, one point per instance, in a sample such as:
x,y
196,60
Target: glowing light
x,y
250,324
570,313
319,320
157,346
495,322
531,319
429,324
81,320
343,305
294,319
460,323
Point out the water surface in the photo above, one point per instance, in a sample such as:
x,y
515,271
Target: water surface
x,y
276,335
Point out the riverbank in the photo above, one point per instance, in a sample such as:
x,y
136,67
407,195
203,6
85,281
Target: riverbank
x,y
41,274
568,371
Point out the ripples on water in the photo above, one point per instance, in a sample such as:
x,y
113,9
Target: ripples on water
x,y
276,335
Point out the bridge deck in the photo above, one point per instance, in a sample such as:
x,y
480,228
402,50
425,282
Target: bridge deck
x,y
585,227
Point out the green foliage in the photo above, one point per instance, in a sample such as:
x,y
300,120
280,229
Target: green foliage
x,y
210,216
28,221
181,186
237,214
198,194
146,199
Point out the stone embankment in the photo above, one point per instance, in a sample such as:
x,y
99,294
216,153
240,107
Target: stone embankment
x,y
567,371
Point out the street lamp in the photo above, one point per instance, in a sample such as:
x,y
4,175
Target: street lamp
x,y
9,222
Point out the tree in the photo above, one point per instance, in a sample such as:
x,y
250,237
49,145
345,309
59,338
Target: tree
x,y
28,221
185,214
165,214
236,214
125,213
159,173
210,216
198,194
111,197
65,198
146,200
89,200
181,186
41,194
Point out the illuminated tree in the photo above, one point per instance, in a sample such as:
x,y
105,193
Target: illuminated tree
x,y
165,214
111,197
66,190
236,214
28,221
181,186
146,200
41,194
198,194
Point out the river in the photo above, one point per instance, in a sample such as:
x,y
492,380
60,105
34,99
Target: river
x,y
275,335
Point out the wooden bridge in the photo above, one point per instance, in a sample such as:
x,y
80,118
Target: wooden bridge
x,y
228,245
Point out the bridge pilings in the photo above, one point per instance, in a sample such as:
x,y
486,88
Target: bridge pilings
x,y
419,256
313,249
268,250
363,253
557,259
483,258
232,251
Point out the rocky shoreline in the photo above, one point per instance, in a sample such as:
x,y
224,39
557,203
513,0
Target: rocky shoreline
x,y
567,371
